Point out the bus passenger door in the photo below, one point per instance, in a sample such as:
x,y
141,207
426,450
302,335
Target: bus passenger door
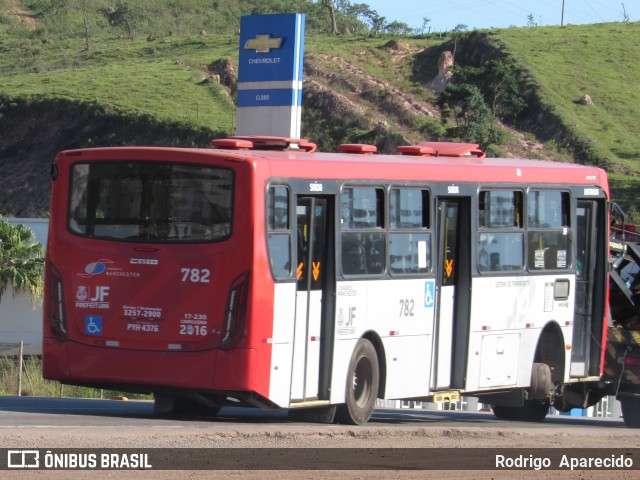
x,y
591,255
451,329
313,330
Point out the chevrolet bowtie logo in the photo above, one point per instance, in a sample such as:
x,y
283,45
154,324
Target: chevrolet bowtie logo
x,y
263,43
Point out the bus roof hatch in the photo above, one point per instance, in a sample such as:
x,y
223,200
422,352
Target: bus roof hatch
x,y
416,150
454,149
360,148
264,143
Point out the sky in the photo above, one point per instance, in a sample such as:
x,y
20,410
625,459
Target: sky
x,y
445,15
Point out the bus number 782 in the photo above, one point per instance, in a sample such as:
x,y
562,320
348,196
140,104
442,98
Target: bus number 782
x,y
195,275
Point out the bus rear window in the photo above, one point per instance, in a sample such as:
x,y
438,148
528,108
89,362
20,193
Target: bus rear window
x,y
151,202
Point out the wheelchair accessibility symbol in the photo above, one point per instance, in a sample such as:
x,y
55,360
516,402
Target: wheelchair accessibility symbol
x,y
429,294
93,325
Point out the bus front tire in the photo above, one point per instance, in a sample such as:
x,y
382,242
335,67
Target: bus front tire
x,y
363,378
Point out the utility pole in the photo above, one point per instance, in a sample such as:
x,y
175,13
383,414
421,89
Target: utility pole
x,y
562,16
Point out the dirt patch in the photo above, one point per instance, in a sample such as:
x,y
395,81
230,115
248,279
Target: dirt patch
x,y
20,13
367,87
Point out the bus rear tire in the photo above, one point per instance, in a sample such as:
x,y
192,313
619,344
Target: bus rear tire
x,y
534,410
531,411
631,412
313,415
363,378
505,413
179,406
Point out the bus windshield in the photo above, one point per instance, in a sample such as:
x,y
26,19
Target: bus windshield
x,y
151,202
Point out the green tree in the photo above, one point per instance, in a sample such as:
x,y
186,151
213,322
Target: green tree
x,y
398,28
502,89
473,119
498,82
464,102
328,4
425,20
129,16
87,8
21,261
377,23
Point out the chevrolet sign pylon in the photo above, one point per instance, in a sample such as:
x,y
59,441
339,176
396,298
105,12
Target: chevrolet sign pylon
x,y
270,75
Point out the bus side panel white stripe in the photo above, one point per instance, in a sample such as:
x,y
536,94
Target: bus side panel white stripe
x,y
385,306
509,305
282,343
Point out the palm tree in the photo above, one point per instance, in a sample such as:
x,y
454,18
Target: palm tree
x,y
21,261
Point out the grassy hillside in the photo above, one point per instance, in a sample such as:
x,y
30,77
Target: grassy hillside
x,y
161,89
167,79
603,62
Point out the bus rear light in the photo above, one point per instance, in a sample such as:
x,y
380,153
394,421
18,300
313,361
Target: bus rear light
x,y
57,319
235,312
631,361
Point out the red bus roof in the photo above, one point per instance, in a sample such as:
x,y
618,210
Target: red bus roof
x,y
321,165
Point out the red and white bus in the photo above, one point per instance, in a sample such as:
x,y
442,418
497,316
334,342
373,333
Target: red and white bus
x,y
259,272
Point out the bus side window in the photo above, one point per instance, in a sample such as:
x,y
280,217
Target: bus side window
x,y
353,255
549,233
500,231
279,231
363,239
409,235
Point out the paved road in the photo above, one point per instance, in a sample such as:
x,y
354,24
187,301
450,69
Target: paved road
x,y
56,424
23,412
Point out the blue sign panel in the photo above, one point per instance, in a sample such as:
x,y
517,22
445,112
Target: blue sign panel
x,y
269,98
429,294
93,325
271,47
